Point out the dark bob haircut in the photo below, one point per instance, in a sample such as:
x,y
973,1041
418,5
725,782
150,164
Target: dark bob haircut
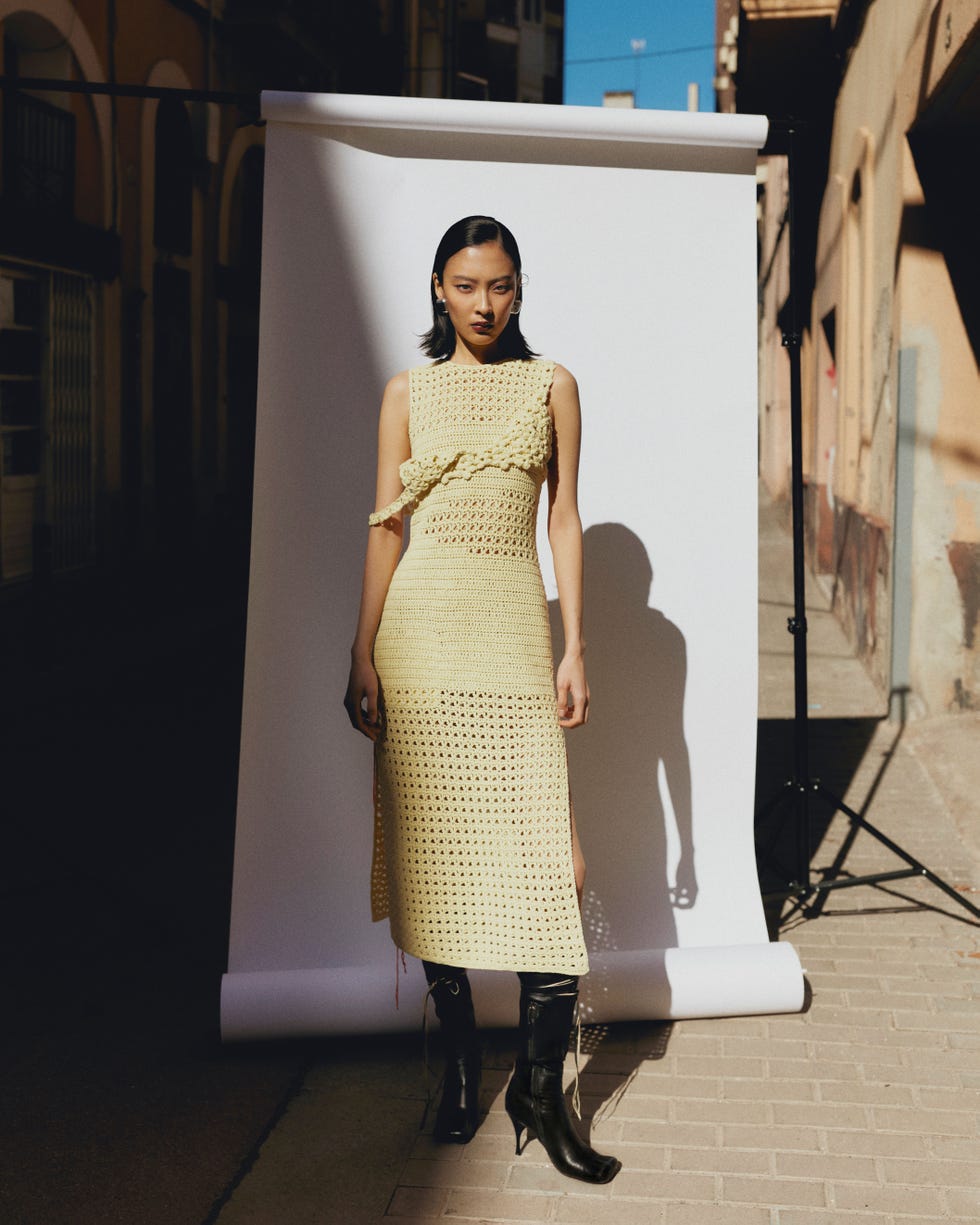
x,y
440,340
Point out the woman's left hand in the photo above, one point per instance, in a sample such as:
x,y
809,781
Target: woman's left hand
x,y
573,692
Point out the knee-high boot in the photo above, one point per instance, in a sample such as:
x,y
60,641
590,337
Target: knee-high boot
x,y
459,1106
535,1100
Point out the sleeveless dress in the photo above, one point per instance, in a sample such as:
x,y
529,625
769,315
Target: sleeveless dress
x,y
472,854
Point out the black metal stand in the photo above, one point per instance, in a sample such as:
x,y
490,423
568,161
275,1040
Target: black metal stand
x,y
801,788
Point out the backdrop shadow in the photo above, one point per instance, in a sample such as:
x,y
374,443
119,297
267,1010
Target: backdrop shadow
x,y
632,755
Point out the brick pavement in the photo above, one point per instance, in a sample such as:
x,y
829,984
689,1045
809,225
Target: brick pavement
x,y
863,1108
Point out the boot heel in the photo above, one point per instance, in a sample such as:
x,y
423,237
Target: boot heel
x,y
518,1128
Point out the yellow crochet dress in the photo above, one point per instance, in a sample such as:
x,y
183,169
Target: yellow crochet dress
x,y
473,857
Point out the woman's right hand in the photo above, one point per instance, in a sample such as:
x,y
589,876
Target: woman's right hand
x,y
362,699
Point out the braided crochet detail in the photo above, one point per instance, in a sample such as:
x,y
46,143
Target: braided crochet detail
x,y
526,442
472,855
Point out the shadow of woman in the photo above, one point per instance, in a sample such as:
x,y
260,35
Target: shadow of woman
x,y
630,780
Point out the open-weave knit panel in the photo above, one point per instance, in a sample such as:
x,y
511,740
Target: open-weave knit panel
x,y
473,862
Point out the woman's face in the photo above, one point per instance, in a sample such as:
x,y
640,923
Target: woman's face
x,y
479,287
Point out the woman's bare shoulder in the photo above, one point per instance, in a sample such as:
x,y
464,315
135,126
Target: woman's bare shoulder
x,y
398,385
563,384
396,399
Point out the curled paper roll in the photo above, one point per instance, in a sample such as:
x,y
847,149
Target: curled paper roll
x,y
641,984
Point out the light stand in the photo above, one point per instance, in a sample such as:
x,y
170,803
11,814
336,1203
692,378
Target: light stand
x,y
800,789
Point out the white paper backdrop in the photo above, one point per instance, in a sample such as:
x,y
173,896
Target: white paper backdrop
x,y
637,232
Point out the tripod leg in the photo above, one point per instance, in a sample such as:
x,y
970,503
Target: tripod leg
x,y
917,867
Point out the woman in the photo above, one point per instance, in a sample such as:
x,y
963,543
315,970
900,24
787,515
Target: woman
x,y
452,679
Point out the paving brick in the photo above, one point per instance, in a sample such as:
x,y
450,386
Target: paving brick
x,y
773,1191
923,1020
402,1220
418,1202
716,1214
949,1099
821,1114
859,939
578,1210
953,985
926,1122
922,1073
417,1173
485,1146
605,1126
676,1086
666,1185
806,1139
720,1065
817,1216
843,980
858,1052
768,1090
643,1106
498,1205
932,1173
963,1203
826,1166
782,1048
842,954
877,1144
721,1160
952,1058
907,1040
965,1041
599,1085
951,1148
846,1036
747,1027
722,1112
686,1042
872,969
883,999
658,1131
911,1201
872,1094
943,974
814,1068
858,1018
638,1156
426,1147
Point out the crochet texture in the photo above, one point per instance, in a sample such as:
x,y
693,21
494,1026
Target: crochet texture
x,y
473,860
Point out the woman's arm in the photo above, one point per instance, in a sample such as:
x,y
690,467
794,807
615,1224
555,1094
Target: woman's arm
x,y
383,550
565,536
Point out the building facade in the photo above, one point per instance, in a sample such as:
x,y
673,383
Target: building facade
x,y
500,50
130,233
885,99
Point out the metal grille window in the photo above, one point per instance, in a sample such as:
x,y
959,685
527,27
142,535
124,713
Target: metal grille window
x,y
70,416
39,156
46,431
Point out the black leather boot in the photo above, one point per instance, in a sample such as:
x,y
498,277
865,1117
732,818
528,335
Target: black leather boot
x,y
535,1100
459,1107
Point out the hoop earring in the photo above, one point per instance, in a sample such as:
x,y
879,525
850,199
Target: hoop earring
x,y
441,308
516,308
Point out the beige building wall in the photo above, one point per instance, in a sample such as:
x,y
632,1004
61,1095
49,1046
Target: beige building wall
x,y
882,285
774,432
